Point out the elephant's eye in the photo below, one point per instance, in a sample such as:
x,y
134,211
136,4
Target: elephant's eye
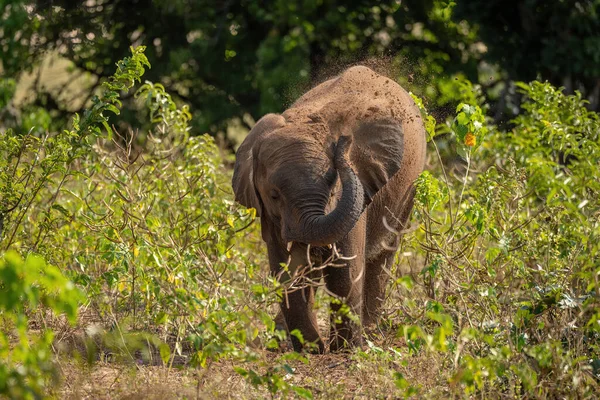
x,y
274,194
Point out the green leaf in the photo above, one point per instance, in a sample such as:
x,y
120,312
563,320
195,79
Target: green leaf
x,y
165,353
302,392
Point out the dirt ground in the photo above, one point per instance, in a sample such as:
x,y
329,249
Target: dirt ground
x,y
359,374
355,375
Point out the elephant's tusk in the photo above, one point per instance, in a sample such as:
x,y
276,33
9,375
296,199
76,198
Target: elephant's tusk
x,y
289,245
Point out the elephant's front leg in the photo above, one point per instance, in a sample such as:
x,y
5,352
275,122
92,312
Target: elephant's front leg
x,y
299,295
346,283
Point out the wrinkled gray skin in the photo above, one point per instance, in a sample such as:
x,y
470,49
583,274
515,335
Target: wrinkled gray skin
x,y
328,171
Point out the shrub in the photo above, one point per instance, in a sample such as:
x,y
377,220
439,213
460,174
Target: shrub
x,y
505,300
26,366
149,235
510,252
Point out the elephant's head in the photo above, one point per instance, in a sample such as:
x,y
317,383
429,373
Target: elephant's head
x,y
292,179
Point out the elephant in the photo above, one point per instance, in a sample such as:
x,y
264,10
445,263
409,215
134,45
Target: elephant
x,y
334,174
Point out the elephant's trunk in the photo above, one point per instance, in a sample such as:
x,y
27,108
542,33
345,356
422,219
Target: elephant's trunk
x,y
319,229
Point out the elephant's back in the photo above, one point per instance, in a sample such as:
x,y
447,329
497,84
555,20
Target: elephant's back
x,y
358,94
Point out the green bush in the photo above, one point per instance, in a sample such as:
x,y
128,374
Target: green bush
x,y
149,236
505,299
510,248
26,366
35,170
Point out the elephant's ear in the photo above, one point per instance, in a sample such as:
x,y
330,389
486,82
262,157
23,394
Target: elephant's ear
x,y
243,172
378,148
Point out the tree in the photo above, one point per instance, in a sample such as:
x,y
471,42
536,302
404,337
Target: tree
x,y
239,59
225,59
558,41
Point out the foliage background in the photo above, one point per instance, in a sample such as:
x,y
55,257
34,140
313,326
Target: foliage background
x,y
237,60
121,246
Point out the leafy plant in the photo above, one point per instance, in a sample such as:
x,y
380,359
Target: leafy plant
x,y
502,298
149,236
26,365
34,169
510,252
